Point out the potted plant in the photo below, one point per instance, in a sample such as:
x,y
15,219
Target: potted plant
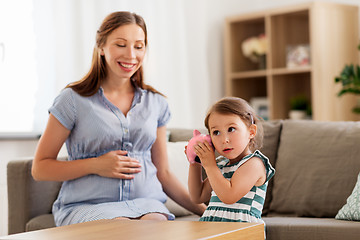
x,y
299,107
350,80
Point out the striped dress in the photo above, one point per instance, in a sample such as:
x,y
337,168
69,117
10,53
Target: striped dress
x,y
248,208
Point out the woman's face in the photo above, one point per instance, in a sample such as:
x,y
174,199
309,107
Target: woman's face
x,y
124,51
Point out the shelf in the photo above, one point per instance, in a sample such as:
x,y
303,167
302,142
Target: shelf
x,y
241,31
283,71
248,74
247,88
264,73
321,35
288,30
288,86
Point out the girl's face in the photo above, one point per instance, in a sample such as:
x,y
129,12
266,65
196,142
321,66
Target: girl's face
x,y
230,136
124,51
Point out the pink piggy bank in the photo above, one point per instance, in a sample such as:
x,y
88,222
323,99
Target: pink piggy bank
x,y
197,137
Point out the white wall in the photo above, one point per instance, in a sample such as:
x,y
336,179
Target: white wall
x,y
204,29
185,53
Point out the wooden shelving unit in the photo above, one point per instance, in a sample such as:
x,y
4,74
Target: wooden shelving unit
x,y
332,32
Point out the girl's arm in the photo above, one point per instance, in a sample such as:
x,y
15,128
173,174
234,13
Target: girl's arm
x,y
171,185
252,173
200,190
46,168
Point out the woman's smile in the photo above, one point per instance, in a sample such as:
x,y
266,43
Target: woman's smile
x,y
128,67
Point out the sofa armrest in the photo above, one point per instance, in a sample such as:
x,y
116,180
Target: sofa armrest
x,y
27,198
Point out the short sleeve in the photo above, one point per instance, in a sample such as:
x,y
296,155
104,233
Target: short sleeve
x,y
270,171
164,113
63,108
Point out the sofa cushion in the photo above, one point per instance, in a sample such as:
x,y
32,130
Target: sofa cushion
x,y
316,167
179,165
40,222
183,134
293,228
272,131
351,210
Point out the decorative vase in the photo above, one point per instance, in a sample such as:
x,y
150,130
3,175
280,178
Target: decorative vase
x,y
297,114
262,62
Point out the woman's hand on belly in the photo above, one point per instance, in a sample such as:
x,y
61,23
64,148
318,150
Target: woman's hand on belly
x,y
115,164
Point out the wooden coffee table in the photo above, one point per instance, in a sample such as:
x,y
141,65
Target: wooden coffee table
x,y
143,230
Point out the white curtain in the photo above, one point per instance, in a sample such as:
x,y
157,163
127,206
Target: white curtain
x,y
175,62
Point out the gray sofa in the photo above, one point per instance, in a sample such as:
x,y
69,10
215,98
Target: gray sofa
x,y
316,163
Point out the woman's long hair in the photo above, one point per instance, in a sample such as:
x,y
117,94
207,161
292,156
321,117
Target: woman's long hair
x,y
91,82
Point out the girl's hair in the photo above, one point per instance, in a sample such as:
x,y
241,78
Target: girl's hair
x,y
239,107
91,82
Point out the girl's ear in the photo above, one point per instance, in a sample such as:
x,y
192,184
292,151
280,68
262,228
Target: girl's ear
x,y
252,130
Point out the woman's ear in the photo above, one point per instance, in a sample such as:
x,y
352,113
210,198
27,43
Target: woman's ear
x,y
252,130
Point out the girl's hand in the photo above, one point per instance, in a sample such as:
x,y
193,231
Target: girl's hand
x,y
206,154
116,164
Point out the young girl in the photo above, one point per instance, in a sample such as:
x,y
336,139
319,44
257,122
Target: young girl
x,y
237,180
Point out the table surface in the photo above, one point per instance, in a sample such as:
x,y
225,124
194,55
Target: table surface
x,y
146,229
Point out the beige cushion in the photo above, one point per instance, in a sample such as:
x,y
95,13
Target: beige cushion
x,y
183,134
316,167
270,146
40,222
310,228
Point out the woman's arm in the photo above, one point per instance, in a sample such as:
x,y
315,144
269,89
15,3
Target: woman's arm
x,y
171,185
46,168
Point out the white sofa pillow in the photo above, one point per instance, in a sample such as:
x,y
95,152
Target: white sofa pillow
x,y
179,165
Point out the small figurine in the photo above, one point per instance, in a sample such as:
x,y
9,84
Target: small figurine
x,y
197,137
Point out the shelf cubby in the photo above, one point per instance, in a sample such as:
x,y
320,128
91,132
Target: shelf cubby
x,y
329,30
248,88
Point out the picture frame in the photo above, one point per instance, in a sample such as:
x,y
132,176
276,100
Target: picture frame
x,y
298,56
261,106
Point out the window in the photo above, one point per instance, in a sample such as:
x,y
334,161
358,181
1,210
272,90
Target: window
x,y
18,75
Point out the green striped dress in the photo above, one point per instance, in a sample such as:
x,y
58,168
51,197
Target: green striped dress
x,y
248,208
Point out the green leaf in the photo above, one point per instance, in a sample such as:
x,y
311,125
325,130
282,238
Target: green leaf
x,y
299,102
350,81
356,110
349,90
